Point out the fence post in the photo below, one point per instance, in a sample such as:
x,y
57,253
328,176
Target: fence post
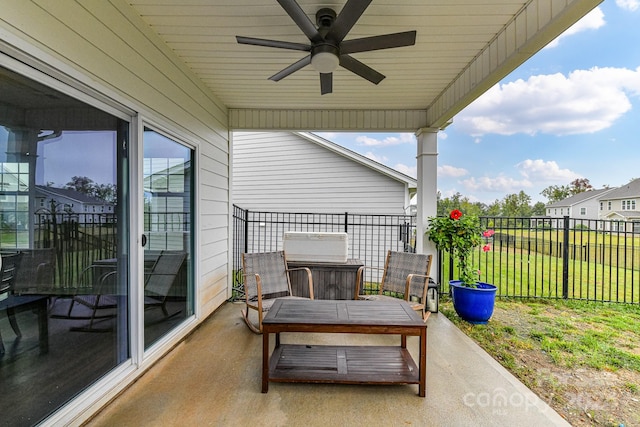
x,y
346,222
246,231
565,259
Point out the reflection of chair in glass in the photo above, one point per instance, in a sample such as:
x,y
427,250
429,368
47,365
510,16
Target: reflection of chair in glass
x,y
405,276
160,279
97,292
37,272
266,277
8,273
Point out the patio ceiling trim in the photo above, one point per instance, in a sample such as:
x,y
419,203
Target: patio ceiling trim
x,y
536,24
345,120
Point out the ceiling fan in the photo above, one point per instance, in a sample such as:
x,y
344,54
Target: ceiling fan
x,y
328,49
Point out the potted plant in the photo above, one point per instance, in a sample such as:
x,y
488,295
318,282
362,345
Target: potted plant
x,y
459,235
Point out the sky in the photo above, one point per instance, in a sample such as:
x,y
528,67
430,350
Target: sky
x,y
571,111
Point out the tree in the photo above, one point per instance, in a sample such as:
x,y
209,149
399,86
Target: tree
x,y
495,208
460,202
106,192
555,193
515,205
81,184
539,209
579,185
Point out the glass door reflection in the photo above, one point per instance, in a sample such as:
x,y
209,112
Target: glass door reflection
x,y
168,284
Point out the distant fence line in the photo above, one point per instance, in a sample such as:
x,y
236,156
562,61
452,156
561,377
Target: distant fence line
x,y
565,258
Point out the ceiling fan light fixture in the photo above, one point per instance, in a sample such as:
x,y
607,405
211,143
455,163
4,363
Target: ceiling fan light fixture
x,y
325,62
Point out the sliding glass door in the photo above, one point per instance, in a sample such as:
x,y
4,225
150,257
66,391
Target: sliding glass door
x,y
168,221
64,221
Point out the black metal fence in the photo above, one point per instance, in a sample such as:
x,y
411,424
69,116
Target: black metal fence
x,y
370,236
568,258
77,241
565,258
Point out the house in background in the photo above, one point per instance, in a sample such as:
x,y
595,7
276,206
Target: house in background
x,y
88,209
301,172
621,206
579,207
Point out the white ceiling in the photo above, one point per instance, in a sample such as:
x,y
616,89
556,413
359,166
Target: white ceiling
x,y
462,48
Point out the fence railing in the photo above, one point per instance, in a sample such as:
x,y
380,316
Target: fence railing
x,y
370,236
567,258
530,257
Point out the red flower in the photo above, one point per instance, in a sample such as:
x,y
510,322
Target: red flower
x,y
486,248
455,214
488,233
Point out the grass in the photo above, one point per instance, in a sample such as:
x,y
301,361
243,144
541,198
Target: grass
x,y
519,273
547,344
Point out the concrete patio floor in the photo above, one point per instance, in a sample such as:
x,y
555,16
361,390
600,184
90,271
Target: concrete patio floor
x,y
213,378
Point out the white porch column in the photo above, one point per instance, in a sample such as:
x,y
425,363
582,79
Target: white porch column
x,y
427,198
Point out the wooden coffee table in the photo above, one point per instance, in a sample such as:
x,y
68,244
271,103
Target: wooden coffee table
x,y
343,364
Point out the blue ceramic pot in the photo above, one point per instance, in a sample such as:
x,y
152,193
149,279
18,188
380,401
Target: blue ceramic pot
x,y
475,305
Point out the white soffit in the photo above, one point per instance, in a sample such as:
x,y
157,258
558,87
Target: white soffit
x,y
462,48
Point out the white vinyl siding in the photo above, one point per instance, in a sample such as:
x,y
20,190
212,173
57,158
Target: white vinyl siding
x,y
105,42
284,172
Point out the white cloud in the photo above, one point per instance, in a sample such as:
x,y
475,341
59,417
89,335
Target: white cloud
x,y
327,135
375,158
412,171
540,171
585,101
448,170
591,21
631,5
401,138
500,183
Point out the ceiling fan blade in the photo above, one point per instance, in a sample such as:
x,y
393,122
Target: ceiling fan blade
x,y
273,43
346,19
326,83
291,69
301,19
386,41
361,69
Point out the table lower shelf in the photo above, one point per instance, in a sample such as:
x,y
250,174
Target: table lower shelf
x,y
343,364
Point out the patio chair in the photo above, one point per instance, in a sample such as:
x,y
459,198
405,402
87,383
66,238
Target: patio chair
x,y
160,279
266,278
97,292
406,276
8,273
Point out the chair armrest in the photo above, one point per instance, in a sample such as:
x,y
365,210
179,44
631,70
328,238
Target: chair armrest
x,y
359,281
407,288
309,278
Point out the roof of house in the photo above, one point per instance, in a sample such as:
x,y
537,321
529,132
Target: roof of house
x,y
632,189
580,197
352,155
626,215
69,194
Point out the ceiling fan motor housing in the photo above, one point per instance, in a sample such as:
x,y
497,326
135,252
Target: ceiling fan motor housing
x,y
325,17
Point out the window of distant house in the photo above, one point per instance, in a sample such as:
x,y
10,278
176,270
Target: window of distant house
x,y
583,211
555,211
608,206
601,206
628,205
